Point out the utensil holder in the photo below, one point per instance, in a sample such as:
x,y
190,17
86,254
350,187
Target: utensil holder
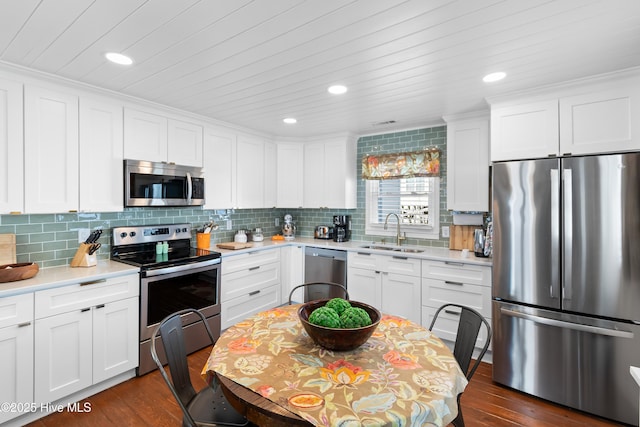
x,y
82,257
203,240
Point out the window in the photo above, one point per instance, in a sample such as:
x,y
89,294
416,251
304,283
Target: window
x,y
415,200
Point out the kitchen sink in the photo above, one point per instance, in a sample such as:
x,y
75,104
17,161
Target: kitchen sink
x,y
392,248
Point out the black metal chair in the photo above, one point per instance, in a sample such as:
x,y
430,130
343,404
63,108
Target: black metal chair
x,y
209,406
469,325
341,288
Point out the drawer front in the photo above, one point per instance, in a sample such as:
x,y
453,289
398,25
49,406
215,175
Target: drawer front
x,y
436,293
457,272
402,265
240,308
16,310
248,260
446,327
249,280
84,295
364,260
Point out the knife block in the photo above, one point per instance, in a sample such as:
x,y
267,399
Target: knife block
x,y
82,257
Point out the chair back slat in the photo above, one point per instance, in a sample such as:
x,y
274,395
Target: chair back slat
x,y
173,342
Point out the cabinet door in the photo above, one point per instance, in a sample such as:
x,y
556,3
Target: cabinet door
x,y
401,296
339,175
270,175
145,136
51,151
468,166
101,155
525,131
244,306
292,267
600,122
314,180
365,286
16,359
220,169
11,148
63,355
115,338
250,173
184,143
290,175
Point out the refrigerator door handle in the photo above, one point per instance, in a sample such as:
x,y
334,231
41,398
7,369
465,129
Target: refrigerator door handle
x,y
568,325
555,232
568,233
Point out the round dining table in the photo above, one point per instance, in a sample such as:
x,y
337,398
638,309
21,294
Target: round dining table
x,y
272,372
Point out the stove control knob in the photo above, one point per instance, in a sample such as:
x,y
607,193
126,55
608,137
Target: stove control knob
x,y
184,230
132,234
123,235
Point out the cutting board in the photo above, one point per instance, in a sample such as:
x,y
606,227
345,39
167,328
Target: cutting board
x,y
461,236
234,245
7,249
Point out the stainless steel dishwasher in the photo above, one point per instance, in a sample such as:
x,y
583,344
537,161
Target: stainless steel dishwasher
x,y
324,265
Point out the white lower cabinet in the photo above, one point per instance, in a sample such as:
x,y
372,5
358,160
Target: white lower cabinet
x,y
292,265
389,283
458,283
250,284
16,352
84,334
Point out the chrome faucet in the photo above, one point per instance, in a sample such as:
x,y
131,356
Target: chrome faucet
x,y
399,237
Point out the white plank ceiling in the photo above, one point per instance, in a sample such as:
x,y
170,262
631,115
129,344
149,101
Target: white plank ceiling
x,y
254,62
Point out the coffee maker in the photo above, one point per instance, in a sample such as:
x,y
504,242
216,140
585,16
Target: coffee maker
x,y
341,228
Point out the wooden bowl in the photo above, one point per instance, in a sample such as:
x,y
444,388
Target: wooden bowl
x,y
339,339
21,271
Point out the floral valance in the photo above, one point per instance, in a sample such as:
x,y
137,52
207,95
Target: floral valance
x,y
401,165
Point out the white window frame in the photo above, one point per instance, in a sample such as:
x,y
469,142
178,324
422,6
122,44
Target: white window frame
x,y
412,231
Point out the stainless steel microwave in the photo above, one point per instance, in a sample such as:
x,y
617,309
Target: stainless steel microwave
x,y
162,184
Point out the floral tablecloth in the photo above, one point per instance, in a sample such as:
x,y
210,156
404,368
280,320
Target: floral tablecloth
x,y
402,376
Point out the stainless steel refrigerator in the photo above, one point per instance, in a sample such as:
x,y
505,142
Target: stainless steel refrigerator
x,y
566,280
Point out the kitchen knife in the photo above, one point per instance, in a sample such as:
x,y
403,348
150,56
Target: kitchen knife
x,y
94,248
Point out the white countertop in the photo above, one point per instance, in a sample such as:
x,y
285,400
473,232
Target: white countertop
x,y
439,254
62,276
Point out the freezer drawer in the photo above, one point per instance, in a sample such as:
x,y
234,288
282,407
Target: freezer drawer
x,y
577,361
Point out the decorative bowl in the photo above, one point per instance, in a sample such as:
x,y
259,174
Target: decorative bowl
x,y
21,271
339,339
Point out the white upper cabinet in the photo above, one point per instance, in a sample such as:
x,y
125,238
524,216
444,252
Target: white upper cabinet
x,y
51,150
145,136
185,143
154,137
468,164
220,169
250,177
11,148
290,174
578,118
330,173
101,156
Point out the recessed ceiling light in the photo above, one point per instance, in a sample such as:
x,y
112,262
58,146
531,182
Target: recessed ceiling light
x,y
290,120
118,58
494,77
337,89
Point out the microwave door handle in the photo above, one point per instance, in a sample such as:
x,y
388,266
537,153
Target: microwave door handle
x,y
189,187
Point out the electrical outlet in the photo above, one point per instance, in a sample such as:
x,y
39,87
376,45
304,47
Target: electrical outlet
x,y
276,222
445,231
83,234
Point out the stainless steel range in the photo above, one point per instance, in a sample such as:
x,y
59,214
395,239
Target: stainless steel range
x,y
173,276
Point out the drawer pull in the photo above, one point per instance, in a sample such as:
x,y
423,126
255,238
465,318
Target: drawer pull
x,y
100,306
455,313
85,309
457,264
363,253
22,325
449,282
93,282
404,258
254,293
254,268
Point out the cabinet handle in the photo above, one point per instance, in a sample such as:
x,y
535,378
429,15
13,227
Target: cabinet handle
x,y
85,309
458,264
455,313
254,268
93,282
377,272
448,282
22,325
100,306
404,258
363,253
254,293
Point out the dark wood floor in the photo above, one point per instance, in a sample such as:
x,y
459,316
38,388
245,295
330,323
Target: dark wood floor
x,y
146,401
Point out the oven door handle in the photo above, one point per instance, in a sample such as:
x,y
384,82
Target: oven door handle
x,y
183,267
